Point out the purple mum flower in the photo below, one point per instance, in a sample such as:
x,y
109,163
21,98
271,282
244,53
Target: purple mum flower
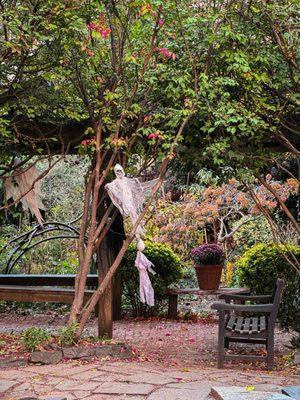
x,y
208,254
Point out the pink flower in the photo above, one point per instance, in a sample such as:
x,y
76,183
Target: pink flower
x,y
104,32
166,53
91,26
153,136
86,142
161,22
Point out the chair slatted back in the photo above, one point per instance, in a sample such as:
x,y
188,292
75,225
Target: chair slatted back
x,y
276,296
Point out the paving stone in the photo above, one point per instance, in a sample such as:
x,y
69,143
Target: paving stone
x,y
117,369
179,394
23,387
28,398
267,387
198,385
155,379
124,388
61,370
292,391
186,375
72,369
81,394
72,385
93,373
45,357
240,393
20,374
55,398
67,396
21,395
5,385
113,397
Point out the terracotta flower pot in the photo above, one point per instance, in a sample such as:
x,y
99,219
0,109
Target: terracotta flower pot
x,y
209,276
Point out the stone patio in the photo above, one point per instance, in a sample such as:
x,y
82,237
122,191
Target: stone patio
x,y
174,360
102,380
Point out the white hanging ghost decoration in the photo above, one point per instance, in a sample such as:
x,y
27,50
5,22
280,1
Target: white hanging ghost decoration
x,y
128,195
19,184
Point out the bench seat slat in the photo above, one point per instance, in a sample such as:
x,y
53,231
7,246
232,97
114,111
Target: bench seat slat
x,y
44,280
231,323
246,326
262,323
239,324
39,294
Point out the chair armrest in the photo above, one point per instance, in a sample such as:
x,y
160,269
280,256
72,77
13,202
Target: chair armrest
x,y
245,297
265,308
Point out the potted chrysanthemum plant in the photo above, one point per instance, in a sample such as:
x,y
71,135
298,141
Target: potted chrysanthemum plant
x,y
209,260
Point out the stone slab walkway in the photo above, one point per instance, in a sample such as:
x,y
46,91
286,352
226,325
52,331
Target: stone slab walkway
x,y
103,380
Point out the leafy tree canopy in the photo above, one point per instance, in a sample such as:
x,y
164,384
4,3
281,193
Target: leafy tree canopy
x,y
234,65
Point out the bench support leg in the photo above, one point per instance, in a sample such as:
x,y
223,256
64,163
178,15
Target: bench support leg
x,y
173,306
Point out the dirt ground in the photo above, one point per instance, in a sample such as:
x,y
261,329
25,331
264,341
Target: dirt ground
x,y
167,342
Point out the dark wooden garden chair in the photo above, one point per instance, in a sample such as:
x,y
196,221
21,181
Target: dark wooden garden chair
x,y
256,327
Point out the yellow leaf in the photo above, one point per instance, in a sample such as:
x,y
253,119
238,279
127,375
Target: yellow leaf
x,y
250,388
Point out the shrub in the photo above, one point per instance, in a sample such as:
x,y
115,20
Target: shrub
x,y
34,337
259,268
66,334
168,271
251,233
208,254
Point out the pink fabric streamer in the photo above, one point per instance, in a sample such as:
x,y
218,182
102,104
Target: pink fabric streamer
x,y
146,290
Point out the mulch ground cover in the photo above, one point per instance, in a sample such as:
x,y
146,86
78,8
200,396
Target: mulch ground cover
x,y
180,343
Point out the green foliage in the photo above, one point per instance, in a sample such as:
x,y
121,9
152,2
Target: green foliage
x,y
254,231
63,188
66,334
62,191
168,271
259,268
34,337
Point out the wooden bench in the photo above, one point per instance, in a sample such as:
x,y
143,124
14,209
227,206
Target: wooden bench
x,y
174,293
43,288
256,327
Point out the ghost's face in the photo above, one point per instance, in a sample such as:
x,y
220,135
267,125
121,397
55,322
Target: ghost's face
x,y
119,172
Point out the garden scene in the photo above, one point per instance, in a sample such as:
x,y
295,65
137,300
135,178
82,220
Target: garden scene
x,y
150,198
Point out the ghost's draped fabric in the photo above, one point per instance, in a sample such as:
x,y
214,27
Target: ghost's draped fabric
x,y
128,195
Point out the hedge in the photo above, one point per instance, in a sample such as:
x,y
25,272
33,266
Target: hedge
x,y
168,271
261,265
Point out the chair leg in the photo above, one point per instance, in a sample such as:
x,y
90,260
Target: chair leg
x,y
221,353
221,340
270,351
226,343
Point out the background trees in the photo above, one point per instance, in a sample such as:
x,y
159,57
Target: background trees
x,y
125,81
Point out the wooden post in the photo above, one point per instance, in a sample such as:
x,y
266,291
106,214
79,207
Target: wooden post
x,y
105,326
109,306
